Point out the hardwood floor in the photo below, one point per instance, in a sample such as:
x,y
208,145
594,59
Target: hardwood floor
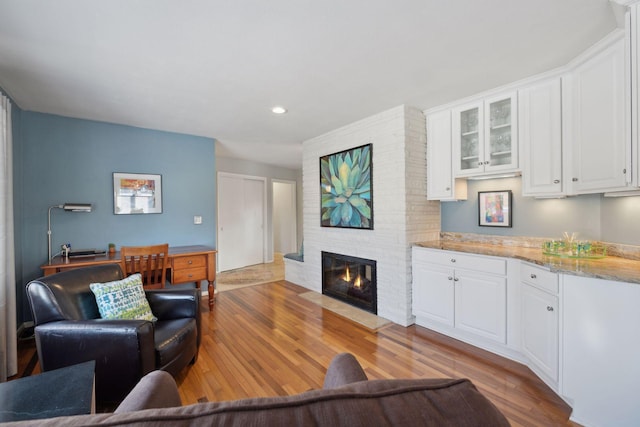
x,y
264,340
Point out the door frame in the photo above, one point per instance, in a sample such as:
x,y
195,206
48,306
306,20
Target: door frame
x,y
294,190
265,225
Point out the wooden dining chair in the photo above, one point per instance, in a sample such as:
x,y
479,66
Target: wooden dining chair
x,y
149,261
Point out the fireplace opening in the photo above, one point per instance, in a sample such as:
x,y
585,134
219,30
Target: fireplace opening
x,y
351,280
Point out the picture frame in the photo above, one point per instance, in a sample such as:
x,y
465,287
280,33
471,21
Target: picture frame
x,y
137,193
346,189
495,208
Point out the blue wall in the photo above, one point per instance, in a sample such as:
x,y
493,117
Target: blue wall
x,y
71,160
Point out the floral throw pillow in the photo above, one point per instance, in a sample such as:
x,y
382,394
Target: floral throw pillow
x,y
123,299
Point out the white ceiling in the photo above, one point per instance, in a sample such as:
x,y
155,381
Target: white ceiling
x,y
215,68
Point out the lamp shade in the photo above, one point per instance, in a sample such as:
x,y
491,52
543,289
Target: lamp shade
x,y
77,207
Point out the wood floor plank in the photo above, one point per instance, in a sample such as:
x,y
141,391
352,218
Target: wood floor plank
x,y
264,340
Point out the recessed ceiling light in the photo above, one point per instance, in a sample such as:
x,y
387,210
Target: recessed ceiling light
x,y
279,110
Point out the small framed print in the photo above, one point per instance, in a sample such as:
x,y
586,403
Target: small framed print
x,y
494,208
136,193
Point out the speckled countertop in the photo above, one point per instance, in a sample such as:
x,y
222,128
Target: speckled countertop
x,y
624,268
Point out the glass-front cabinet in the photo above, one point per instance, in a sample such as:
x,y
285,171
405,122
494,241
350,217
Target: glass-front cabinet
x,y
485,136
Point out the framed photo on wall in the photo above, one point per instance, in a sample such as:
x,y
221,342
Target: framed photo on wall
x,y
346,191
494,208
136,193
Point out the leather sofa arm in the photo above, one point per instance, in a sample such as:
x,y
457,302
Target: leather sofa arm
x,y
167,304
124,351
344,369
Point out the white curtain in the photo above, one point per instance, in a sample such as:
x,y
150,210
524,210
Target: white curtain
x,y
8,334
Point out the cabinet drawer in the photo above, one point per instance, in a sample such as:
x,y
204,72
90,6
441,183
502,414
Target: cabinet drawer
x,y
457,260
188,275
539,277
189,262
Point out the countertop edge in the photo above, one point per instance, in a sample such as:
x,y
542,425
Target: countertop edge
x,y
609,268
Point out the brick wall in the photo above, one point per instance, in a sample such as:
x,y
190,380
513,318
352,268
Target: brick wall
x,y
401,213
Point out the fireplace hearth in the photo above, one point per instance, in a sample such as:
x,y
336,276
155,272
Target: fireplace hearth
x,y
351,280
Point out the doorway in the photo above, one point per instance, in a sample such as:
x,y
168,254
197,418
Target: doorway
x,y
284,217
241,220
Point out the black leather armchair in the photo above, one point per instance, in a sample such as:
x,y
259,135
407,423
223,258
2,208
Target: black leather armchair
x,y
69,330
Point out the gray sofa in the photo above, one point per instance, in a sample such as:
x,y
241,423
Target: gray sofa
x,y
347,399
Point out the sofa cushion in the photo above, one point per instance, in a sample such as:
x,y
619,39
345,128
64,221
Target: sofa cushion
x,y
123,299
436,402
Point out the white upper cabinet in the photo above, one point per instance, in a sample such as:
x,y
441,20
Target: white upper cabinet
x,y
540,136
595,109
485,138
440,182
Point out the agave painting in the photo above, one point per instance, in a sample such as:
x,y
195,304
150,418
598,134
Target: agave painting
x,y
345,188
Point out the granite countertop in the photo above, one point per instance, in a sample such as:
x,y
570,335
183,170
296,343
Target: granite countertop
x,y
609,268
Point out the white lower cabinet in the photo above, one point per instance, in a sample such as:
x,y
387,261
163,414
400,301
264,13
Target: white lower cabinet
x,y
462,292
540,327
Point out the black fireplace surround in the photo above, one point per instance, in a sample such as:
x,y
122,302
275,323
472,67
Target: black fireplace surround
x,y
351,280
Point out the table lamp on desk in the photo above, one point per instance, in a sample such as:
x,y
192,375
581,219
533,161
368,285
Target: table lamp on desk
x,y
69,207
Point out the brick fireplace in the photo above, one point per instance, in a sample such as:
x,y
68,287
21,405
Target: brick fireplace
x,y
402,213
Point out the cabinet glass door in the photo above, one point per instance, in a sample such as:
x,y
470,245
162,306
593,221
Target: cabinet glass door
x,y
469,139
500,152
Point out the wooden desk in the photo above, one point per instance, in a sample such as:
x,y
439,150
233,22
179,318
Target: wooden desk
x,y
186,263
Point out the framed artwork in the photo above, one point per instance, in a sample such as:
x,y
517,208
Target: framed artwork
x,y
346,196
136,193
494,208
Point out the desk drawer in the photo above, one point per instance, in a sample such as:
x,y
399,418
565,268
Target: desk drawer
x,y
193,261
188,275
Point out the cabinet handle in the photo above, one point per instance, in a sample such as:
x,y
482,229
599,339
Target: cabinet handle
x,y
450,278
549,308
190,262
533,276
448,188
556,181
574,179
191,275
453,260
455,279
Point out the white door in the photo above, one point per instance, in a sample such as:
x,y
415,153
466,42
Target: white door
x,y
481,305
241,221
433,292
284,217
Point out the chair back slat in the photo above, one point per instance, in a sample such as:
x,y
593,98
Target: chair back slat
x,y
150,261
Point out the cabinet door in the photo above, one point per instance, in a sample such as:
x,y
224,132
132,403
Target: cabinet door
x,y
596,111
433,292
501,133
439,165
468,135
540,329
481,305
540,136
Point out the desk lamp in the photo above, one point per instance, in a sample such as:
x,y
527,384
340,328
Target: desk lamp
x,y
69,207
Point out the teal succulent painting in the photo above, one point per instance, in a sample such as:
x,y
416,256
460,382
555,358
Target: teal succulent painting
x,y
345,188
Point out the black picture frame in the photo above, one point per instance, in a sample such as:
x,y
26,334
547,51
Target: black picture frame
x,y
495,208
346,188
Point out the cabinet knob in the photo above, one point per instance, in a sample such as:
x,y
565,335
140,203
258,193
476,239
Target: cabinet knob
x,y
453,260
549,308
556,181
448,188
533,276
190,262
450,278
574,179
455,279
